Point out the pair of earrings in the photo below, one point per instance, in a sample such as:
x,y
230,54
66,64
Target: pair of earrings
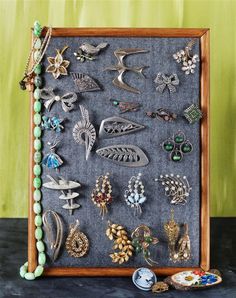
x,y
179,248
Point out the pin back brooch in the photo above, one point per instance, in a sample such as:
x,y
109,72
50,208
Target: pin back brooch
x,y
57,65
165,81
125,106
163,115
89,52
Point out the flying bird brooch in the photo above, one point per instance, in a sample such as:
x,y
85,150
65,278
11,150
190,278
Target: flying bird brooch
x,y
122,68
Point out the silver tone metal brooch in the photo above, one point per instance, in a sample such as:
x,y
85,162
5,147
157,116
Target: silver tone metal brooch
x,y
165,81
177,188
117,126
89,52
65,186
58,66
134,195
84,132
125,106
54,241
122,68
124,155
188,61
162,114
67,100
84,83
193,113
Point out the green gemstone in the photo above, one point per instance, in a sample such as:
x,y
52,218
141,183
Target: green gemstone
x,y
38,271
41,258
37,182
116,103
37,195
37,69
148,239
37,24
23,271
37,93
38,220
38,81
37,119
37,157
176,157
186,148
29,276
37,132
38,44
37,208
37,106
37,55
146,253
135,242
179,139
37,170
38,233
168,147
138,249
37,144
40,246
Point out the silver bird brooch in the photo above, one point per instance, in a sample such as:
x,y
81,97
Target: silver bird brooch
x,y
122,68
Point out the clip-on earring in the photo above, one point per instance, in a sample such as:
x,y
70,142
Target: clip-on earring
x,y
52,160
134,194
55,242
101,195
77,243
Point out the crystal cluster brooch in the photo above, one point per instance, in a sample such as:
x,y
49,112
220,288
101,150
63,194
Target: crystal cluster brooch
x,y
188,61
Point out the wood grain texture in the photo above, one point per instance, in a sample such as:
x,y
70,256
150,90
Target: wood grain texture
x,y
203,34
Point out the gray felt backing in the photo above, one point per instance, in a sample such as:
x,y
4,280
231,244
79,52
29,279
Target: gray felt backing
x,y
156,210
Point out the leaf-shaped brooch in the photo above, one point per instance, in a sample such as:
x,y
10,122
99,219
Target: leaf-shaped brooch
x,y
125,155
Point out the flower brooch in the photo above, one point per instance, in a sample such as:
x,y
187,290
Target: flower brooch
x,y
57,65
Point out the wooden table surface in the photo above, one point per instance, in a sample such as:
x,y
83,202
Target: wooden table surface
x,y
13,253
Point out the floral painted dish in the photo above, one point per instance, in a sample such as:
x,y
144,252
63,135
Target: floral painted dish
x,y
194,280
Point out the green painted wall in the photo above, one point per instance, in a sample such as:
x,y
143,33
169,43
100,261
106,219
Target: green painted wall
x,y
15,21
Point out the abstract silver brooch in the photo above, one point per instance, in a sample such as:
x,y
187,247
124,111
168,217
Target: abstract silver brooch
x,y
67,100
177,146
125,106
134,195
124,155
163,115
166,82
65,186
122,68
117,126
193,114
188,62
177,188
89,52
84,132
58,66
84,83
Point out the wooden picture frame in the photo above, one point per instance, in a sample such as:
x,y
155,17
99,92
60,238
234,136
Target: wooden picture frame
x,y
203,35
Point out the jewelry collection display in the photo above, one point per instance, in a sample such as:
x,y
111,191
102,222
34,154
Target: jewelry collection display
x,y
134,195
179,249
66,187
57,65
84,83
118,126
89,52
51,159
122,243
84,132
141,239
55,242
177,146
120,54
101,195
166,82
177,188
124,155
184,56
67,100
125,106
77,244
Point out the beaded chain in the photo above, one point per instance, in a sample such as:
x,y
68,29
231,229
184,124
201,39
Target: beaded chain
x,y
37,167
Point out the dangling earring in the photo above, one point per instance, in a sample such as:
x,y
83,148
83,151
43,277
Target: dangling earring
x,y
77,243
52,160
134,194
101,195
